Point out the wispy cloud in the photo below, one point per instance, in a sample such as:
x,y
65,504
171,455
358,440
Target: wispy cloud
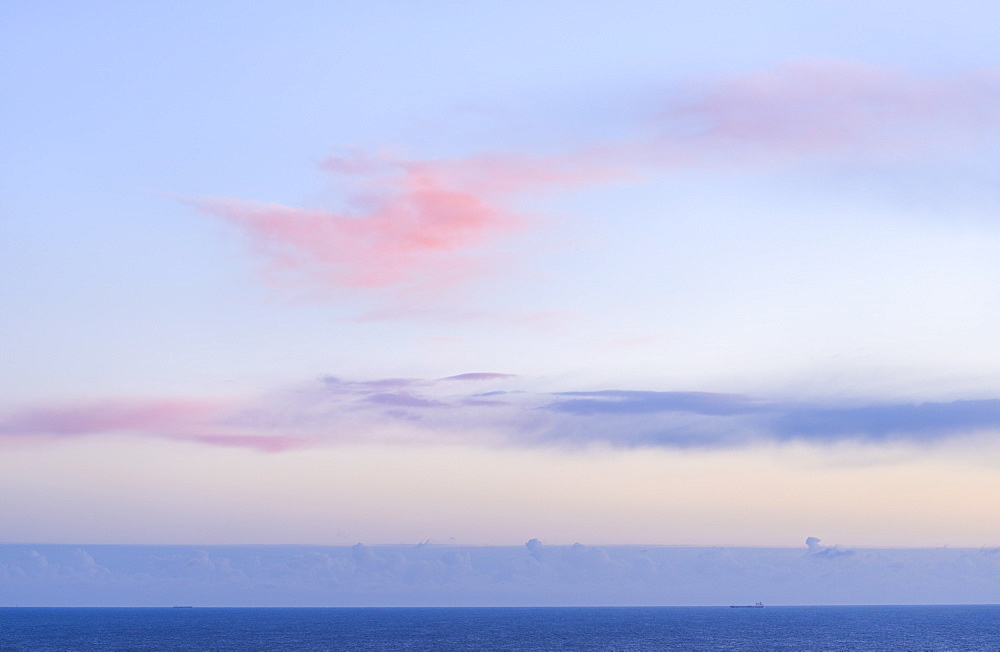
x,y
120,415
416,228
413,228
446,411
201,422
410,228
480,376
826,107
257,442
400,399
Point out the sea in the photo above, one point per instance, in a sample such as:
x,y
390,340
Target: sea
x,y
896,628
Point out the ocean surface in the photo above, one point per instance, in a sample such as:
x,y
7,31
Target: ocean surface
x,y
964,628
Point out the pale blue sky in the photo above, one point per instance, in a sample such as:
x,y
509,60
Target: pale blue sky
x,y
791,202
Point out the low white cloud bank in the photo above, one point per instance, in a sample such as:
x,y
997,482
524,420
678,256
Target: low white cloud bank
x,y
531,575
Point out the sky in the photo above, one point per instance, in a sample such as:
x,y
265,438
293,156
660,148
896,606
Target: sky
x,y
323,273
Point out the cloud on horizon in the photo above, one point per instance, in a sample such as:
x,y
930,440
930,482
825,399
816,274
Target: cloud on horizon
x,y
454,575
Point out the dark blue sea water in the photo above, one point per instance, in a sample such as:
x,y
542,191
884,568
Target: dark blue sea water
x,y
628,628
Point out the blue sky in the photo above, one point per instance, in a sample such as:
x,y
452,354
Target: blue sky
x,y
338,272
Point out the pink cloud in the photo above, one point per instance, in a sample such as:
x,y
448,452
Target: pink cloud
x,y
412,228
416,229
825,107
326,411
196,421
109,416
503,175
262,443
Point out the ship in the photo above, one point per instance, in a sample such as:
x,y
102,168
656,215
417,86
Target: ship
x,y
756,605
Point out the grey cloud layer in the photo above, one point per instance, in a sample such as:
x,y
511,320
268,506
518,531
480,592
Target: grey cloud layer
x,y
633,402
721,417
629,418
915,421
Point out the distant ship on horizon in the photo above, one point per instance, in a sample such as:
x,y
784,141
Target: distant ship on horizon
x,y
758,605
